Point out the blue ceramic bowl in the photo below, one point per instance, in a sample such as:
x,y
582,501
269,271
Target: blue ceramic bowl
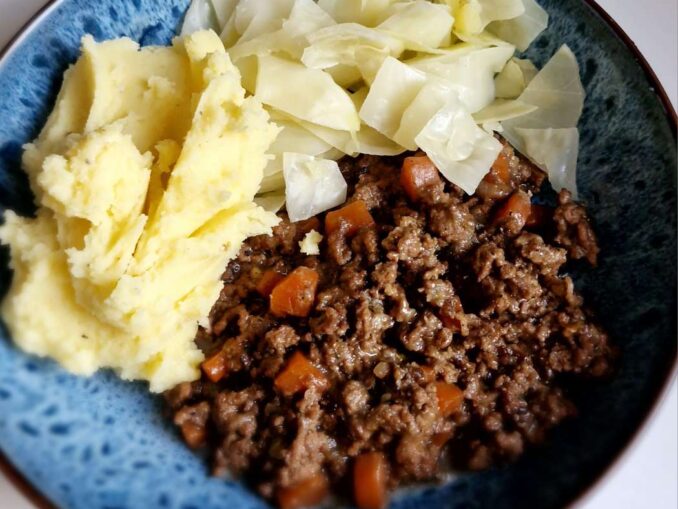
x,y
102,443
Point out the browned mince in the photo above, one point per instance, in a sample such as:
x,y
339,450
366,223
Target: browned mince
x,y
515,329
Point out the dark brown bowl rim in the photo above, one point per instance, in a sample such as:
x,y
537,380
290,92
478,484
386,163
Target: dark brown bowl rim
x,y
42,502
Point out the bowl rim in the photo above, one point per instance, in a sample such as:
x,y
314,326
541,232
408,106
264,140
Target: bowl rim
x,y
40,501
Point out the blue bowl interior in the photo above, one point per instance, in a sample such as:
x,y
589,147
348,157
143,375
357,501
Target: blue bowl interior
x,y
103,443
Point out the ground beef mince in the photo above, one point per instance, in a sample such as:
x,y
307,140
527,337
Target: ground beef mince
x,y
433,328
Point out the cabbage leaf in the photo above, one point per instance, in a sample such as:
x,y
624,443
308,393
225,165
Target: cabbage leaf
x,y
270,202
305,18
527,66
524,29
462,151
294,138
501,110
431,98
333,153
394,88
372,142
421,25
266,44
257,17
199,16
308,94
510,82
554,151
370,61
229,35
365,141
557,93
274,181
224,9
344,75
337,44
470,72
312,185
497,10
366,12
514,78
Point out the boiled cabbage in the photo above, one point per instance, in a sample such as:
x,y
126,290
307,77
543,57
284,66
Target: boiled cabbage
x,y
510,82
312,185
294,138
266,44
305,18
229,35
271,202
340,140
430,99
308,94
199,16
483,39
394,88
501,110
224,9
514,78
365,141
529,69
554,151
470,72
467,17
366,12
521,31
333,153
257,17
273,181
557,93
372,142
496,10
370,61
420,24
462,151
337,44
343,77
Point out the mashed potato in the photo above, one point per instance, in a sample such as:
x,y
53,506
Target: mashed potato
x,y
144,176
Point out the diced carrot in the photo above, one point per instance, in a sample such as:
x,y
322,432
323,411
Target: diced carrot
x,y
500,171
517,204
295,294
450,398
370,478
539,215
215,367
298,375
268,282
355,215
305,493
440,439
193,434
429,373
417,174
449,317
450,322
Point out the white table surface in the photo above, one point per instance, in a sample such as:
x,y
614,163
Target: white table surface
x,y
647,476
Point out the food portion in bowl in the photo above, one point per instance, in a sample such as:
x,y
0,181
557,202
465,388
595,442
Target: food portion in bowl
x,y
122,258
429,321
409,309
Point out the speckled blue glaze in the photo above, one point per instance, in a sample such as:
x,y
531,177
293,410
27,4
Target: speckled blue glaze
x,y
102,443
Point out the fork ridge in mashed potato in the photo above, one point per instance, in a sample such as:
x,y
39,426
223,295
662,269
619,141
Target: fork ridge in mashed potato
x,y
144,177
